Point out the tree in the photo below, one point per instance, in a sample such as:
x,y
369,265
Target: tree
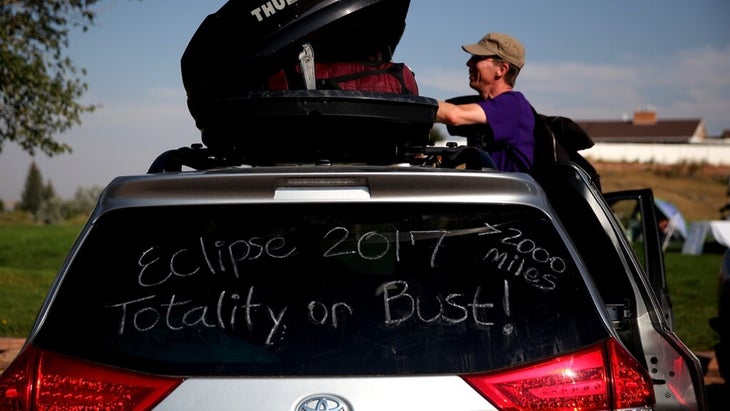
x,y
39,85
48,191
83,202
33,192
51,211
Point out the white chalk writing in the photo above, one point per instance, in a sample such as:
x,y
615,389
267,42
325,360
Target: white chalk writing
x,y
186,262
226,304
174,313
395,294
520,263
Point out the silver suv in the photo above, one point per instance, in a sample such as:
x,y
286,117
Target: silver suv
x,y
354,287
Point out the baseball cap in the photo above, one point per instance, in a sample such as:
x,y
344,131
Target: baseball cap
x,y
499,44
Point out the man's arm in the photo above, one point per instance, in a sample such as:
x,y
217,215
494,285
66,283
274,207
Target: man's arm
x,y
460,114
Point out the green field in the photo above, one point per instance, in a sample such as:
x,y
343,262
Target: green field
x,y
30,256
692,281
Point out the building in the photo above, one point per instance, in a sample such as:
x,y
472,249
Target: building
x,y
647,138
645,127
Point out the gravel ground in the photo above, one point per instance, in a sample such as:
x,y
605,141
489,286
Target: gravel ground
x,y
9,348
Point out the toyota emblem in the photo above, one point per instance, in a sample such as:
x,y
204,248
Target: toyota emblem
x,y
322,402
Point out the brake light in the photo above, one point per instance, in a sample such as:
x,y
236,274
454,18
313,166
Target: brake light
x,y
601,377
41,380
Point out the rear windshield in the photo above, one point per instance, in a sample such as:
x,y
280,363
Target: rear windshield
x,y
323,289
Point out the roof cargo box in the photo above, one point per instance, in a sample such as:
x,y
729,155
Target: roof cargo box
x,y
313,125
230,58
240,45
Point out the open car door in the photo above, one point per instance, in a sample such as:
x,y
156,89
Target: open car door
x,y
636,212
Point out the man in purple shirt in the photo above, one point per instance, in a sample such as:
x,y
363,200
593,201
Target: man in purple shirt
x,y
507,116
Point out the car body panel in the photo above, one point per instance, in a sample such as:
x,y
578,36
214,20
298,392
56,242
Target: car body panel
x,y
422,393
650,304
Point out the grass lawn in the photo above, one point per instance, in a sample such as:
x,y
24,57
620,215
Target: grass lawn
x,y
692,282
30,256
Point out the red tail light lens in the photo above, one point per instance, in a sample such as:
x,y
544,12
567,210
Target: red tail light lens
x,y
40,380
600,377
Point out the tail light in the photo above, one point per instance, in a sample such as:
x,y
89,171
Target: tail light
x,y
601,377
41,380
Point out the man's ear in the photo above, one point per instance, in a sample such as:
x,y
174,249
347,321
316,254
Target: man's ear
x,y
503,69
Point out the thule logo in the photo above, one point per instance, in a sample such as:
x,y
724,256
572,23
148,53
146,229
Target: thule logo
x,y
270,8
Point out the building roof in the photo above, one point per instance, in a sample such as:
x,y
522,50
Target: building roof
x,y
645,127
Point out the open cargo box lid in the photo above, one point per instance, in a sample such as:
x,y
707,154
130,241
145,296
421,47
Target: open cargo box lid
x,y
230,57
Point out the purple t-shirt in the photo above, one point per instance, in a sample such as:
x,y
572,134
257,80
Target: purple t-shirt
x,y
512,123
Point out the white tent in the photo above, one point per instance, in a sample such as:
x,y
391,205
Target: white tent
x,y
699,232
676,225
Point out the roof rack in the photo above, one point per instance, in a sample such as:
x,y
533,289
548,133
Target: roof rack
x,y
198,157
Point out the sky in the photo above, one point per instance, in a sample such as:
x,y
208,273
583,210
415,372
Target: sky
x,y
585,59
